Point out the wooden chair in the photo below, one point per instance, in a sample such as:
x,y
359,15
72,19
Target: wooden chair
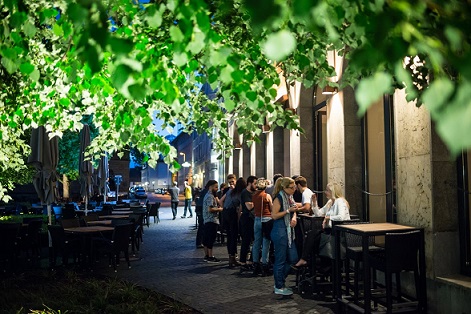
x,y
62,245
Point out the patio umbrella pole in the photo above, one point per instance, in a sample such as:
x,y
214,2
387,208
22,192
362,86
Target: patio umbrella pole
x,y
86,205
49,213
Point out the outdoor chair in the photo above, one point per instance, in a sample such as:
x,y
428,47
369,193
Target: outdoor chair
x,y
90,217
68,212
31,237
118,243
354,255
136,235
154,212
400,254
9,246
61,244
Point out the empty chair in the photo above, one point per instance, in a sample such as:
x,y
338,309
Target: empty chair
x,y
154,212
9,245
61,245
118,243
68,212
354,254
400,254
136,235
31,237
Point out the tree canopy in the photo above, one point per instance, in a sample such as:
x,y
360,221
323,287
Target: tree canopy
x,y
124,63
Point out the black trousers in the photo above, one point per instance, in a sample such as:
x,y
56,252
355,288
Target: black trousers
x,y
200,231
246,233
231,225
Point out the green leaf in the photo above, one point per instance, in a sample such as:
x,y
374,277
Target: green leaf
x,y
137,91
437,95
9,65
120,45
77,14
153,17
29,29
35,75
57,30
372,89
279,45
180,58
121,75
26,68
176,34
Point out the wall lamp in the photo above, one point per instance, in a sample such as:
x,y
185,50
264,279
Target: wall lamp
x,y
329,90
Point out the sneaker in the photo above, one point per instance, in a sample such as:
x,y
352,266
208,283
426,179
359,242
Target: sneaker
x,y
206,258
213,260
191,216
183,216
283,291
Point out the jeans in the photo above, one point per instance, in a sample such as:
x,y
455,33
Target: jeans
x,y
246,233
285,256
174,208
187,206
260,242
231,225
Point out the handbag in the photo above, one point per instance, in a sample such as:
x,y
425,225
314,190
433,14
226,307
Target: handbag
x,y
327,246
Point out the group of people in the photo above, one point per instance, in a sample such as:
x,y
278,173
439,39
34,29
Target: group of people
x,y
264,215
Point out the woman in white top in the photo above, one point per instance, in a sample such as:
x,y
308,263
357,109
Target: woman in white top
x,y
336,209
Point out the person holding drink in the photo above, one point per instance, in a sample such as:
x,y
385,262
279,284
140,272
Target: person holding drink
x,y
284,216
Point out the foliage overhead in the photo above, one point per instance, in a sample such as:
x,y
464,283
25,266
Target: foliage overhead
x,y
124,63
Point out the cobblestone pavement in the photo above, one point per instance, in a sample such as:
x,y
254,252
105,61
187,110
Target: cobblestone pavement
x,y
170,264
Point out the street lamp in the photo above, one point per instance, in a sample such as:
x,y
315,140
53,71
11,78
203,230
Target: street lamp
x,y
184,156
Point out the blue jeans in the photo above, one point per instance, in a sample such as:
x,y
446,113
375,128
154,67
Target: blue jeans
x,y
174,208
187,206
260,242
285,256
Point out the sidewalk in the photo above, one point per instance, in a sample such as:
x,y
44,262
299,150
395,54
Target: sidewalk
x,y
170,264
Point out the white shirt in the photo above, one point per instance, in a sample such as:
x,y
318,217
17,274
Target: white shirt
x,y
307,195
336,212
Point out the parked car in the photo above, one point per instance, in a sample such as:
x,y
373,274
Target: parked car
x,y
137,192
162,191
140,192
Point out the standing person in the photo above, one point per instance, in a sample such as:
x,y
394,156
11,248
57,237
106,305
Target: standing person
x,y
230,216
336,209
174,191
263,204
211,211
284,215
222,187
188,199
297,195
246,221
271,187
306,195
199,217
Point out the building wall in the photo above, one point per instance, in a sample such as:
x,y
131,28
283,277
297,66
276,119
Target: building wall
x,y
336,138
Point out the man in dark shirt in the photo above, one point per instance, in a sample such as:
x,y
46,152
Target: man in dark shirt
x,y
199,217
247,219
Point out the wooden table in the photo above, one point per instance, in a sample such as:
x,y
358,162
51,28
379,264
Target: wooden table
x,y
86,234
106,217
366,231
121,212
99,222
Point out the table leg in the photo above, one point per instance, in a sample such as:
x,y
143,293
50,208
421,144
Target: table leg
x,y
366,274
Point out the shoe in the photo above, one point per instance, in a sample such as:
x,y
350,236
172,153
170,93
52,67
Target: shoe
x,y
213,260
206,258
191,216
173,218
233,261
283,291
183,217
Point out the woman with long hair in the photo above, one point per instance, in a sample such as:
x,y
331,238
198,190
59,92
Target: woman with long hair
x,y
336,209
282,234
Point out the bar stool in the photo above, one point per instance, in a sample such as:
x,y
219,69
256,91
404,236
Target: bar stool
x,y
400,254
